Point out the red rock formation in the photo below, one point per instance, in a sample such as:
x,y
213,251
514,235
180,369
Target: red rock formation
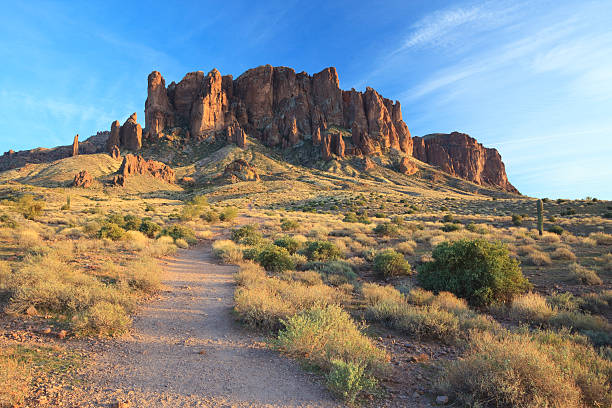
x,y
130,135
407,167
133,165
115,153
368,164
333,143
236,135
278,106
75,146
113,139
240,170
461,155
82,179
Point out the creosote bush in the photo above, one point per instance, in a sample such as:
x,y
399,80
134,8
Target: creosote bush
x,y
390,263
247,235
386,229
291,244
479,271
178,231
275,259
321,251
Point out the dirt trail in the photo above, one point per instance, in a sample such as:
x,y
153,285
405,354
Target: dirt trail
x,y
187,351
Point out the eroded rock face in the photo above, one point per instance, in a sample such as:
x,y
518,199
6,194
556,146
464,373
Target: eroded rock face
x,y
82,179
113,140
407,167
115,153
240,170
130,135
236,135
461,155
75,146
277,106
133,165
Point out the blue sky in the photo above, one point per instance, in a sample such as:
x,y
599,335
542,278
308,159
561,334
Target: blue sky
x,y
532,79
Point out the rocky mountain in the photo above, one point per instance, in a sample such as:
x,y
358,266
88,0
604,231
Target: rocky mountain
x,y
284,110
462,156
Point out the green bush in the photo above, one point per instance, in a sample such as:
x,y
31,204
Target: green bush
x,y
555,229
350,379
275,259
480,271
390,263
386,229
247,235
228,214
448,218
340,268
149,228
180,232
517,220
111,231
289,243
290,225
322,251
131,223
449,227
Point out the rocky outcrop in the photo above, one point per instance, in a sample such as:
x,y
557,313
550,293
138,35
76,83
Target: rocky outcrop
x,y
407,167
462,156
113,139
136,165
240,170
236,135
75,146
277,106
332,144
82,179
115,153
130,135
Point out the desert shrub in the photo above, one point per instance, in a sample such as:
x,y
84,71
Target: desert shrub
x,y
135,240
247,235
601,238
104,318
178,231
194,208
420,296
290,225
531,307
584,275
406,247
29,206
479,229
275,259
373,293
538,258
323,334
386,229
15,379
28,238
353,217
131,223
181,243
450,227
390,263
144,275
210,216
162,246
448,218
111,231
228,251
477,270
517,220
563,253
339,268
397,220
321,251
348,380
555,229
291,244
149,228
228,214
309,278
563,301
593,302
448,301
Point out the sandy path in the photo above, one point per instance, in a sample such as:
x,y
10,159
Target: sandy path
x,y
187,351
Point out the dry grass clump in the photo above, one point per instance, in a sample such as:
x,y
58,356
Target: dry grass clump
x,y
28,238
601,238
539,258
264,301
144,275
531,307
523,370
605,261
228,251
162,246
373,293
563,253
584,275
406,247
14,379
550,238
135,240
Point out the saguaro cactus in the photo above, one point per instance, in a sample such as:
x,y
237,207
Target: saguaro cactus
x,y
540,217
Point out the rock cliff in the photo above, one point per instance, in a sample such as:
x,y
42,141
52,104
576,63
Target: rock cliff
x,y
279,107
462,156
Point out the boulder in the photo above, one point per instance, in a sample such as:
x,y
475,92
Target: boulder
x,y
75,146
407,167
136,165
83,179
240,170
